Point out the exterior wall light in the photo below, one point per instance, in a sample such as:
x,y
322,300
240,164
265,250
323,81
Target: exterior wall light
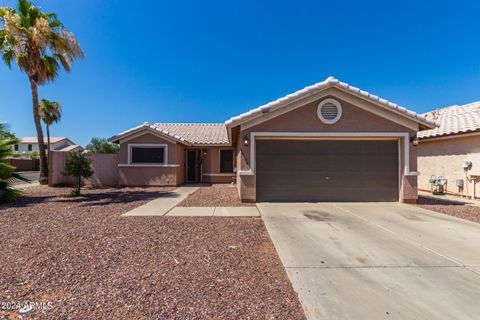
x,y
414,141
245,141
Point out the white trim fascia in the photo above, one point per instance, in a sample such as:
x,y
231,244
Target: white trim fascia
x,y
147,145
334,135
448,137
152,132
194,145
148,128
219,174
330,82
149,165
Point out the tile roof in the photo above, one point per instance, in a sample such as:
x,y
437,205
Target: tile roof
x,y
328,83
453,120
71,148
34,139
187,133
197,133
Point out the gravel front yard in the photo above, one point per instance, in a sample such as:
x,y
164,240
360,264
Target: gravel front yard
x,y
88,261
215,195
459,210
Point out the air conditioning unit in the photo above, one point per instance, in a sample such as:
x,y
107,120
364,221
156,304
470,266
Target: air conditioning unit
x,y
467,165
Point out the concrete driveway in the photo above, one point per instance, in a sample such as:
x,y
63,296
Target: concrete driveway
x,y
377,261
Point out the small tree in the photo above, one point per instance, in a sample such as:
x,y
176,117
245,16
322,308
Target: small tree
x,y
78,166
101,145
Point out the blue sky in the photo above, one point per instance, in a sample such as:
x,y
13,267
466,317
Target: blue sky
x,y
205,61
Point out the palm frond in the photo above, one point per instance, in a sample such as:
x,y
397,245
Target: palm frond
x,y
16,176
51,67
23,6
63,61
50,111
8,194
8,56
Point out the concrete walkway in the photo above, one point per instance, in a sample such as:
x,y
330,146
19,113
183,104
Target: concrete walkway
x,y
214,211
26,185
449,197
377,260
164,204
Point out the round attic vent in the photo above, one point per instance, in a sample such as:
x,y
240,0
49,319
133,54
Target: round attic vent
x,y
329,111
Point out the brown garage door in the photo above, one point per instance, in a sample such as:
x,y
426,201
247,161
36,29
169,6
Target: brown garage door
x,y
327,170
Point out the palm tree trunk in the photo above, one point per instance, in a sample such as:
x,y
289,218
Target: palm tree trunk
x,y
48,143
41,147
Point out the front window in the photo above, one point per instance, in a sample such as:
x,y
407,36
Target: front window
x,y
29,147
144,154
15,147
226,161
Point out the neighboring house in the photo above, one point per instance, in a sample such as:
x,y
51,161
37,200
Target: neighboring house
x,y
28,145
327,142
443,150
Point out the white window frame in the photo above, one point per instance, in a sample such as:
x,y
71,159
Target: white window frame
x,y
220,161
148,145
336,104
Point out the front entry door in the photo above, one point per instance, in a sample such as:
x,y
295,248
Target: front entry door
x,y
192,166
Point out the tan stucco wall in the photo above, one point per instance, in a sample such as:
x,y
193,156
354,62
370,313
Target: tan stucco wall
x,y
166,176
105,170
151,175
444,158
147,176
180,160
104,166
305,119
211,165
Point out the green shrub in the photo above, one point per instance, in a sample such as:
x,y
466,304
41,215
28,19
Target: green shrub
x,y
78,166
7,176
101,145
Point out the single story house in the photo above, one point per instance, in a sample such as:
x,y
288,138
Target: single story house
x,y
442,151
27,145
327,142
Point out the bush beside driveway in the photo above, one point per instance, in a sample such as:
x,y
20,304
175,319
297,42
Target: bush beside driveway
x,y
82,256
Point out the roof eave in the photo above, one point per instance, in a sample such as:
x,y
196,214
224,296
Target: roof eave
x,y
148,127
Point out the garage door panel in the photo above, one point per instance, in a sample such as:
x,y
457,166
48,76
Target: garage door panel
x,y
327,170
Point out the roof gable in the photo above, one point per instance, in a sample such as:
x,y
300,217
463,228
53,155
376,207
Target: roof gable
x,y
322,86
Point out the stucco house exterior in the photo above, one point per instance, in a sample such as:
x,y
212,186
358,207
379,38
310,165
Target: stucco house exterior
x,y
443,150
27,145
327,142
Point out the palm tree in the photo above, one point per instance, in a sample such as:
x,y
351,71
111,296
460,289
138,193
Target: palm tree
x,y
39,44
50,113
